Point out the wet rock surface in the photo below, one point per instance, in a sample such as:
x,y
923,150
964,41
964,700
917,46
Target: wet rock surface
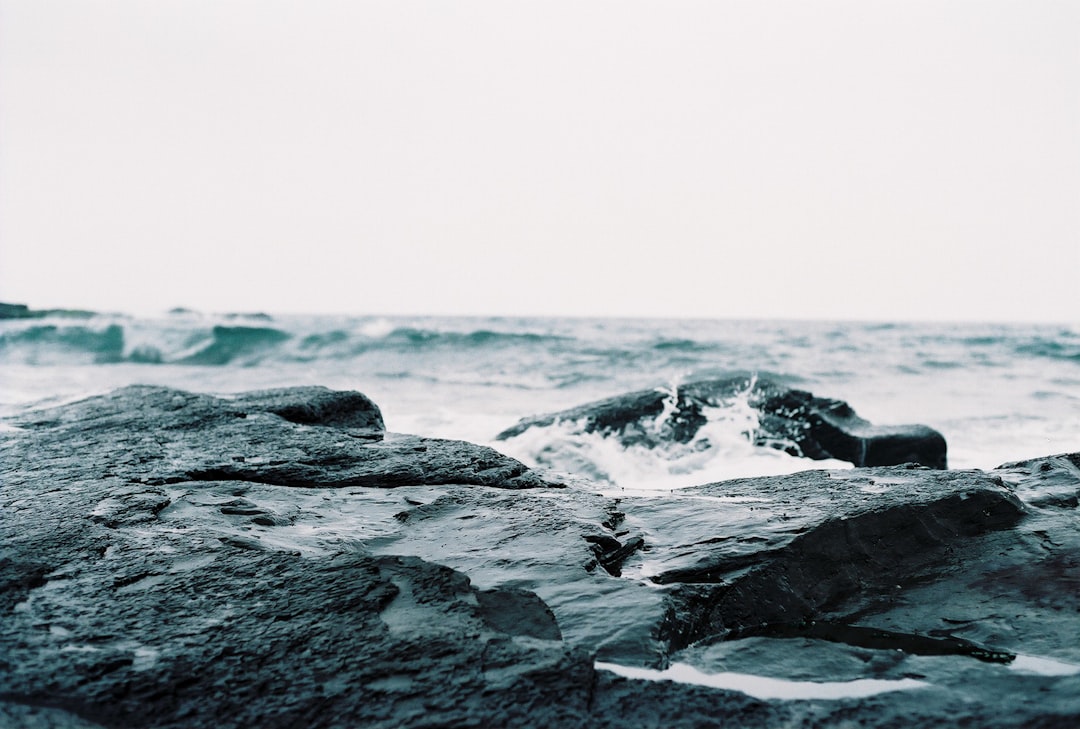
x,y
788,419
155,435
178,560
812,545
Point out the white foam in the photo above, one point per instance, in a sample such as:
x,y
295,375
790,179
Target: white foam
x,y
377,328
763,687
1043,666
721,450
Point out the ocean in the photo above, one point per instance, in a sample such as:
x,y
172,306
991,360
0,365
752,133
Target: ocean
x,y
997,392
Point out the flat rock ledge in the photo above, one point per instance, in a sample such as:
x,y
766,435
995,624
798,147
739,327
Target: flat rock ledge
x,y
276,559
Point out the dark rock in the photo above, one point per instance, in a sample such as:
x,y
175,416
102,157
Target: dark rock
x,y
22,311
931,571
813,546
17,578
14,311
541,541
1053,481
878,639
611,554
790,420
518,612
162,436
317,406
346,641
169,611
135,594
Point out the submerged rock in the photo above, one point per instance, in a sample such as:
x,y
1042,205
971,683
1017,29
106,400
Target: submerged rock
x,y
178,560
791,420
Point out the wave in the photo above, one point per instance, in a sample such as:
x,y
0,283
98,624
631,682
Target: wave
x,y
478,338
53,343
110,342
686,345
227,344
187,338
1002,343
728,443
573,353
1051,348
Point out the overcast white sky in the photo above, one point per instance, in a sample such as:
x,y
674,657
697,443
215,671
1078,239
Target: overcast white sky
x,y
858,159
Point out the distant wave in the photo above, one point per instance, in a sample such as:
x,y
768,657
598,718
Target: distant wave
x,y
1051,348
324,340
969,349
480,337
192,342
685,345
40,344
109,343
579,351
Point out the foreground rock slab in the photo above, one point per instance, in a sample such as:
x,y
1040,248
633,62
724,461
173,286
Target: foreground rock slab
x,y
135,597
178,560
788,419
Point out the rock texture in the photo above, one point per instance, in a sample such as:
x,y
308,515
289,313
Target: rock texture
x,y
788,419
157,436
816,546
178,560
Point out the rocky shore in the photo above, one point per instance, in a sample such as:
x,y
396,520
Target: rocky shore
x,y
277,559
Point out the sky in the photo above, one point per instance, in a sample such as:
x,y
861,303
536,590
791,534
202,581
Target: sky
x,y
859,159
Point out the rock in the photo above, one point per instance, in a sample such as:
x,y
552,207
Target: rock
x,y
816,545
167,436
518,612
162,605
317,406
788,419
913,574
178,560
346,641
14,311
22,311
535,541
611,554
1052,482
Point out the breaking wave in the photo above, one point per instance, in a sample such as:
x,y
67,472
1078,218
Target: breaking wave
x,y
727,446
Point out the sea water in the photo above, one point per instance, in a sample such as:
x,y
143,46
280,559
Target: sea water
x,y
997,392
